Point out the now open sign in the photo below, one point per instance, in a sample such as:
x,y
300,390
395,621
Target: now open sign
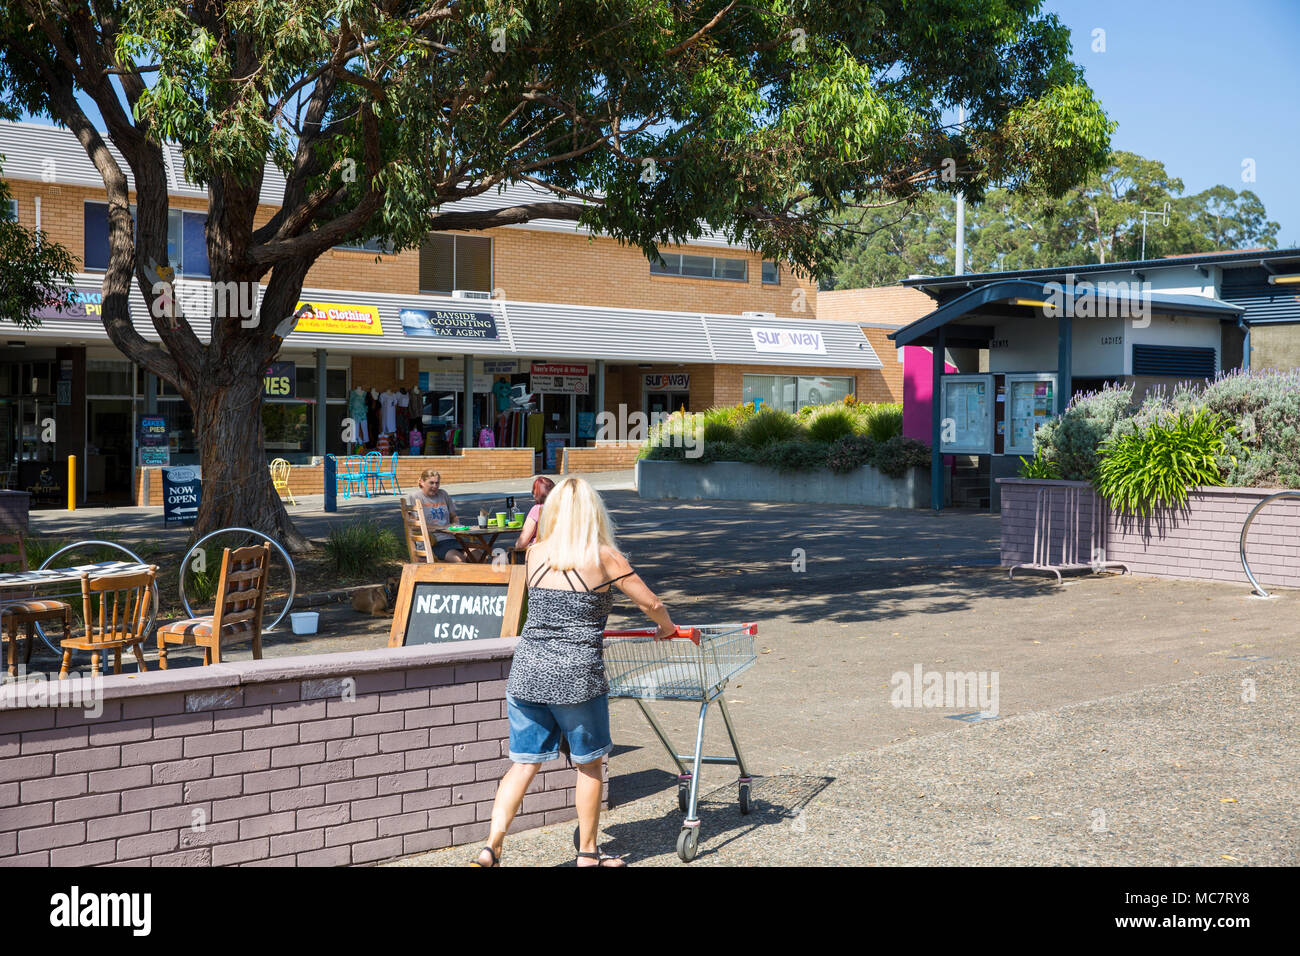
x,y
803,341
182,491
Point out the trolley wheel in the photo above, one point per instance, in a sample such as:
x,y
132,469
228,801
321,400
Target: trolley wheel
x,y
745,804
688,842
683,796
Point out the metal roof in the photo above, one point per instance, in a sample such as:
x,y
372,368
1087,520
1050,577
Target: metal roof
x,y
43,153
1004,290
1227,259
524,329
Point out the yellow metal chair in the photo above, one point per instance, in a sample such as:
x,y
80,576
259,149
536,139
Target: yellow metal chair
x,y
280,479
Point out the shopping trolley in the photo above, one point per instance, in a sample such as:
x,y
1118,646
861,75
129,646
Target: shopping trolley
x,y
694,665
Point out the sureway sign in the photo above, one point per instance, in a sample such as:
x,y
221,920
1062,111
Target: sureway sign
x,y
803,341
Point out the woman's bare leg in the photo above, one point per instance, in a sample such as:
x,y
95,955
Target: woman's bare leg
x,y
587,797
510,794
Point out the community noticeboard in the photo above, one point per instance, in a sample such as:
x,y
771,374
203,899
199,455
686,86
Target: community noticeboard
x,y
449,603
347,318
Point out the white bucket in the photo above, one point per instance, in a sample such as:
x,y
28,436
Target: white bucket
x,y
304,622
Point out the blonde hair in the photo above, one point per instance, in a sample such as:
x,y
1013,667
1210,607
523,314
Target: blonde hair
x,y
431,473
575,525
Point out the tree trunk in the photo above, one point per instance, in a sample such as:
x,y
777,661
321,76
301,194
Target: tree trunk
x,y
237,489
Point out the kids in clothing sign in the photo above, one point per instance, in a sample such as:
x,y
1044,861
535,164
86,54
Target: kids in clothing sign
x,y
335,317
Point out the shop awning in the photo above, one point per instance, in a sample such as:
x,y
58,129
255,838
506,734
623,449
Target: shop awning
x,y
372,323
1011,297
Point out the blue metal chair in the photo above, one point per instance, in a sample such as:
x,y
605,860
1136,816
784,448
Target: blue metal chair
x,y
346,474
370,466
353,471
389,475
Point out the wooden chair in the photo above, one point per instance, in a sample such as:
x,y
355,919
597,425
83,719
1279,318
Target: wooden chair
x,y
419,545
237,615
280,479
119,621
29,611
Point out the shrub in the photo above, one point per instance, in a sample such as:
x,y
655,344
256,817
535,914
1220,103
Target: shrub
x,y
1264,451
882,421
793,455
895,456
724,451
1155,467
718,431
357,547
850,453
768,426
1071,441
1039,467
830,423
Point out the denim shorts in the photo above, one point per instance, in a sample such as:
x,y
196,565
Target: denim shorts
x,y
442,548
535,730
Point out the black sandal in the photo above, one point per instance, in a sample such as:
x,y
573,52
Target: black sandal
x,y
496,861
601,856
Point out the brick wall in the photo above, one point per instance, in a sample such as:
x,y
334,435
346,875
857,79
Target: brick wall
x,y
604,456
325,760
1200,542
469,465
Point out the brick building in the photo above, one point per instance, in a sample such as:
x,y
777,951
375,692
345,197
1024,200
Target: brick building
x,y
579,322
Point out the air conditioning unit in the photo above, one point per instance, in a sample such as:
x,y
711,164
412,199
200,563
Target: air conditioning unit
x,y
467,294
758,315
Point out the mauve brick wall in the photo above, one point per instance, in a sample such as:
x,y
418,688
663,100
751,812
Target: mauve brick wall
x,y
280,766
1201,541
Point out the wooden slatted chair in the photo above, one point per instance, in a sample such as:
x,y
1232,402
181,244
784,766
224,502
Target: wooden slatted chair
x,y
28,610
280,479
237,614
419,544
115,613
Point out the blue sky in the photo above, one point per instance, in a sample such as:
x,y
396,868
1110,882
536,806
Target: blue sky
x,y
1201,86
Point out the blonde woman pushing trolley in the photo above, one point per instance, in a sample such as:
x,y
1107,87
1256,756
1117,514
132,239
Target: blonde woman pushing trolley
x,y
557,690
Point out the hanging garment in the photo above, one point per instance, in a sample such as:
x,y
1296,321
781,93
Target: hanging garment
x,y
388,407
403,412
486,439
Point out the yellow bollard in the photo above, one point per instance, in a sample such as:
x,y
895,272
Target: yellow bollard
x,y
72,482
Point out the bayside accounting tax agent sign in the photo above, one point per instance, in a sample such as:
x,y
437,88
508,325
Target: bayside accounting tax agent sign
x,y
446,603
182,490
449,323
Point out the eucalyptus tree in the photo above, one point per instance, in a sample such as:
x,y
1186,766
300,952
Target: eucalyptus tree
x,y
641,119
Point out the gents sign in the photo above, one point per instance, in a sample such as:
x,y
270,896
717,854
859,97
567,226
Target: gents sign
x,y
804,341
182,490
449,323
280,380
444,603
569,379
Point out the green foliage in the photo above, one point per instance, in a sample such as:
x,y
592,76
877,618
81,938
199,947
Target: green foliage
x,y
850,453
829,423
1070,441
883,421
1155,467
770,425
358,547
1038,467
793,455
896,455
1264,449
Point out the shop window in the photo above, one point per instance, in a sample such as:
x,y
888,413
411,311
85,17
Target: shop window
x,y
771,273
187,249
793,392
9,210
449,262
379,247
110,377
700,267
286,428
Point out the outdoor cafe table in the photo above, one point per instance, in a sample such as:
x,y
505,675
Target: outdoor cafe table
x,y
20,586
477,543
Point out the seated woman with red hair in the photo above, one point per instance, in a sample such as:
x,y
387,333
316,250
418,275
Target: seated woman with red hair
x,y
541,488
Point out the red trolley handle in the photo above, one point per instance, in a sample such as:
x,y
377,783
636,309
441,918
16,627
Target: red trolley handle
x,y
690,633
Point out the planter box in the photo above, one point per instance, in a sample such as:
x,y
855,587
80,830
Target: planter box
x,y
14,506
741,481
1200,541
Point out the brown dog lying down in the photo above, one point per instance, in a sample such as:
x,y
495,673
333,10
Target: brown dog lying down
x,y
378,600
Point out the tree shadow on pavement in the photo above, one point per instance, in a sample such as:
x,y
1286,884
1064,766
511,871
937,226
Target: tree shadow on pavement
x,y
776,800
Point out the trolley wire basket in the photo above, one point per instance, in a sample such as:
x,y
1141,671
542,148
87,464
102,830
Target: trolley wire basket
x,y
693,665
641,667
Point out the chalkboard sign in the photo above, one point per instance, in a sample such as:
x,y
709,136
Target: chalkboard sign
x,y
450,603
182,490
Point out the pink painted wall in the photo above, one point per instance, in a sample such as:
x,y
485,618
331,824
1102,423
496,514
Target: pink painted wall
x,y
917,400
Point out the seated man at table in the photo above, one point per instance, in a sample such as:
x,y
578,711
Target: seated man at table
x,y
439,512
